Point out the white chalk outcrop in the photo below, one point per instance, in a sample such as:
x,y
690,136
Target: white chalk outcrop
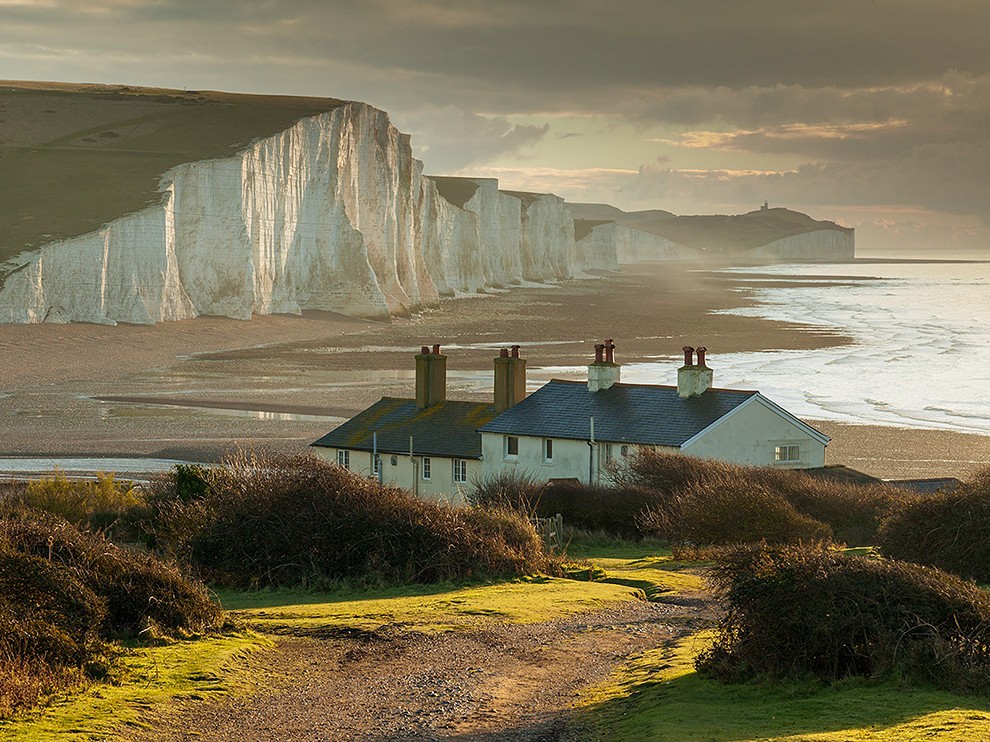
x,y
614,244
821,244
333,213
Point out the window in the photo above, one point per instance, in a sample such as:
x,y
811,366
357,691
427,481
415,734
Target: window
x,y
511,447
547,450
343,458
426,469
608,453
624,450
460,471
786,453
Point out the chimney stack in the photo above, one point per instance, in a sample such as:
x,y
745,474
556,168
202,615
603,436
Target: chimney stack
x,y
510,379
693,378
431,377
604,372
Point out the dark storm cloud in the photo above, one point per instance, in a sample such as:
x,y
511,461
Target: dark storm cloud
x,y
519,55
885,100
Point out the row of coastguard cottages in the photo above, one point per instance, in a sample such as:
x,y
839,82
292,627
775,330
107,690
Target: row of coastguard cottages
x,y
436,447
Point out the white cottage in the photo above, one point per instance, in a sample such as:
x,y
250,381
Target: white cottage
x,y
429,445
574,430
566,429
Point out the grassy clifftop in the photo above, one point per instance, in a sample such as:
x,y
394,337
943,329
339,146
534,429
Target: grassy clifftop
x,y
73,157
717,234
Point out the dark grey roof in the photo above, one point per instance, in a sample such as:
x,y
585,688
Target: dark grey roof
x,y
449,428
624,413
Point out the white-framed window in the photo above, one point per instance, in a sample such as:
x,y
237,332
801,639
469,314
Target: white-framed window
x,y
511,447
426,469
786,453
344,458
624,451
460,471
547,450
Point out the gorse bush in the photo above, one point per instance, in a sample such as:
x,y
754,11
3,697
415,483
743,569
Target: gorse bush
x,y
720,510
98,504
65,593
794,611
612,509
774,504
275,520
950,531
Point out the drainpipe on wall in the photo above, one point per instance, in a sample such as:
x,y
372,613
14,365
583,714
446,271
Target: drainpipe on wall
x,y
415,468
376,466
591,452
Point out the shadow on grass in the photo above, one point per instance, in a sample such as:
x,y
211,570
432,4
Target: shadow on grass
x,y
689,707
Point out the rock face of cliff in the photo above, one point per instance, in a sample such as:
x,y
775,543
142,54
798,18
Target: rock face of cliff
x,y
769,234
333,213
617,244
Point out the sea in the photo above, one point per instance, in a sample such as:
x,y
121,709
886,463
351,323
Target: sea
x,y
920,355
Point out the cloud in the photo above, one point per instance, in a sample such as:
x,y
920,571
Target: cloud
x,y
449,139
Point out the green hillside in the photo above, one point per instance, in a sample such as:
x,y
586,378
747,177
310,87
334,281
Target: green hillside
x,y
716,234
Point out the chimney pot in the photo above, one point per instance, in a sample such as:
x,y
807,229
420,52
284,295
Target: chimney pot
x,y
599,353
609,351
431,377
510,379
701,355
688,355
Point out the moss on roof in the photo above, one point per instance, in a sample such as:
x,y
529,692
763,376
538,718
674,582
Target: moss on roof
x,y
448,429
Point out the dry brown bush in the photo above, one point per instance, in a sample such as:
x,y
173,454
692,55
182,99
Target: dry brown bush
x,y
64,593
800,610
698,488
950,531
277,520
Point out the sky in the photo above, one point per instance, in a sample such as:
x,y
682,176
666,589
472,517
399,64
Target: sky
x,y
872,113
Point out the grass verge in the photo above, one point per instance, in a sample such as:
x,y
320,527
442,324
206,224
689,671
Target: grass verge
x,y
176,671
660,697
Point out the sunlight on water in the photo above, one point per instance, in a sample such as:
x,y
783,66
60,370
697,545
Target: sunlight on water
x,y
921,356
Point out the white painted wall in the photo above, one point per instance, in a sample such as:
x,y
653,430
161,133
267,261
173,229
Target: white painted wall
x,y
408,473
749,436
570,458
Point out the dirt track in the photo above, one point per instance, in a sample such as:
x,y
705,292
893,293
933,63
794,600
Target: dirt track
x,y
495,683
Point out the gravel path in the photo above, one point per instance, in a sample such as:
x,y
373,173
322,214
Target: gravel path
x,y
500,682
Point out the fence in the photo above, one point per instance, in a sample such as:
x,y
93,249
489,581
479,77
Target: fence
x,y
551,530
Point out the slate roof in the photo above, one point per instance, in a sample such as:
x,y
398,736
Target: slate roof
x,y
447,429
624,413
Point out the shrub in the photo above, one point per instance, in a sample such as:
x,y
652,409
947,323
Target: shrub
x,y
852,512
721,510
609,509
64,593
944,530
508,489
276,520
794,611
99,504
137,589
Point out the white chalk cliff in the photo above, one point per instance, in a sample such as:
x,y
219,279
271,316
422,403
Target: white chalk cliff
x,y
333,213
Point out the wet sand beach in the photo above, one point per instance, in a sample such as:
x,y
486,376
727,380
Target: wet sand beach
x,y
200,388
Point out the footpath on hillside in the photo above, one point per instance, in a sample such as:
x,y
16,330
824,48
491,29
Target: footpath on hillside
x,y
495,681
